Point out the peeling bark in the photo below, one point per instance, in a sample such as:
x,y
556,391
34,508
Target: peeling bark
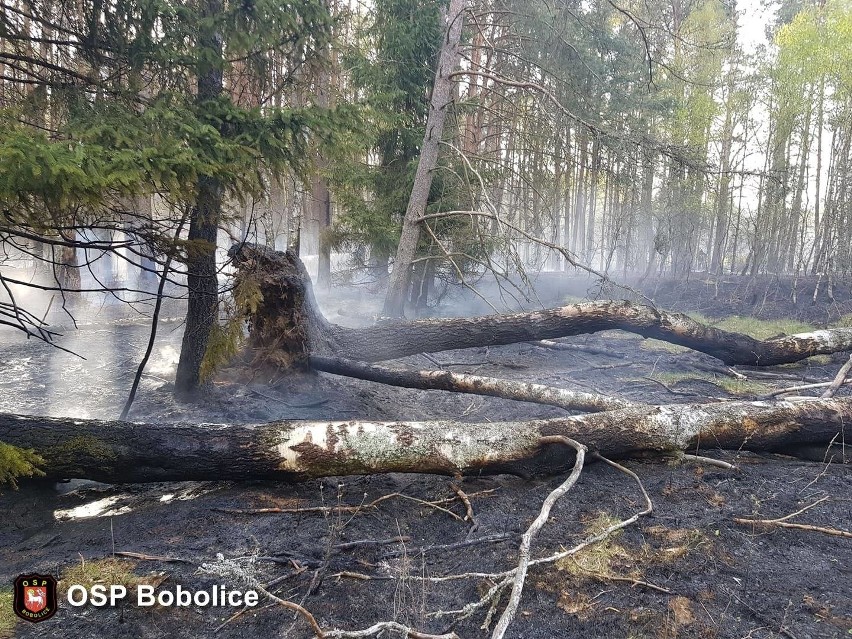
x,y
288,326
297,450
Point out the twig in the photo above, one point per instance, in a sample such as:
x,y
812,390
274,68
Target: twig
x,y
762,617
630,580
291,605
143,557
155,318
795,389
319,402
239,613
360,576
370,542
340,508
838,380
791,515
709,461
562,346
526,541
664,385
455,546
783,523
375,629
469,516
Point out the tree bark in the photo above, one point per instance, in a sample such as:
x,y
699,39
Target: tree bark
x,y
447,61
203,302
471,384
287,327
120,452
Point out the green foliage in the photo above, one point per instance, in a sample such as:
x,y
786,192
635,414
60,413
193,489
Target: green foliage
x,y
111,150
223,345
817,42
122,141
226,339
17,462
396,68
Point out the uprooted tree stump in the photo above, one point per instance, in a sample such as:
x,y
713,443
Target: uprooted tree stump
x,y
286,326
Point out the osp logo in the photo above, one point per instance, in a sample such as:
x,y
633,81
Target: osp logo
x,y
35,597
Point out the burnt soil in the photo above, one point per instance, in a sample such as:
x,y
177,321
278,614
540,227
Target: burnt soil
x,y
723,579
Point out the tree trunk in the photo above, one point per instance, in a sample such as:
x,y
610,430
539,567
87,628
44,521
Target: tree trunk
x,y
472,384
287,327
448,60
297,450
201,279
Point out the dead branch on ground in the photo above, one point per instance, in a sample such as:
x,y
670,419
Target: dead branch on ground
x,y
473,384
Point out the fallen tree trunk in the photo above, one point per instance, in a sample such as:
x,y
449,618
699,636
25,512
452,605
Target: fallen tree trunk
x,y
471,384
296,450
287,327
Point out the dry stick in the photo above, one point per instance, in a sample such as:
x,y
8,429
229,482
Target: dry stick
x,y
469,516
350,509
298,571
239,613
784,376
630,580
143,557
348,545
454,546
838,380
375,629
791,515
782,522
291,605
667,387
795,389
504,578
562,346
360,576
649,508
708,460
526,541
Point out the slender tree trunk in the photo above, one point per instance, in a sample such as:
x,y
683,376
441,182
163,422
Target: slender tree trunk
x,y
722,199
203,304
818,185
438,105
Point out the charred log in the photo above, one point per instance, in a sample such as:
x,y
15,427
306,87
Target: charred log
x,y
297,450
287,327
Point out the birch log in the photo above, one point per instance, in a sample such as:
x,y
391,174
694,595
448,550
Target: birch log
x,y
297,450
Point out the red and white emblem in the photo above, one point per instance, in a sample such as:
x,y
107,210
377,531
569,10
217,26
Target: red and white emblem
x,y
35,598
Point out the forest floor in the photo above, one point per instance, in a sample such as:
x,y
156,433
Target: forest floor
x,y
686,570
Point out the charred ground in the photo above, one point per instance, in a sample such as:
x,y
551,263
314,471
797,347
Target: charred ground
x,y
725,579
